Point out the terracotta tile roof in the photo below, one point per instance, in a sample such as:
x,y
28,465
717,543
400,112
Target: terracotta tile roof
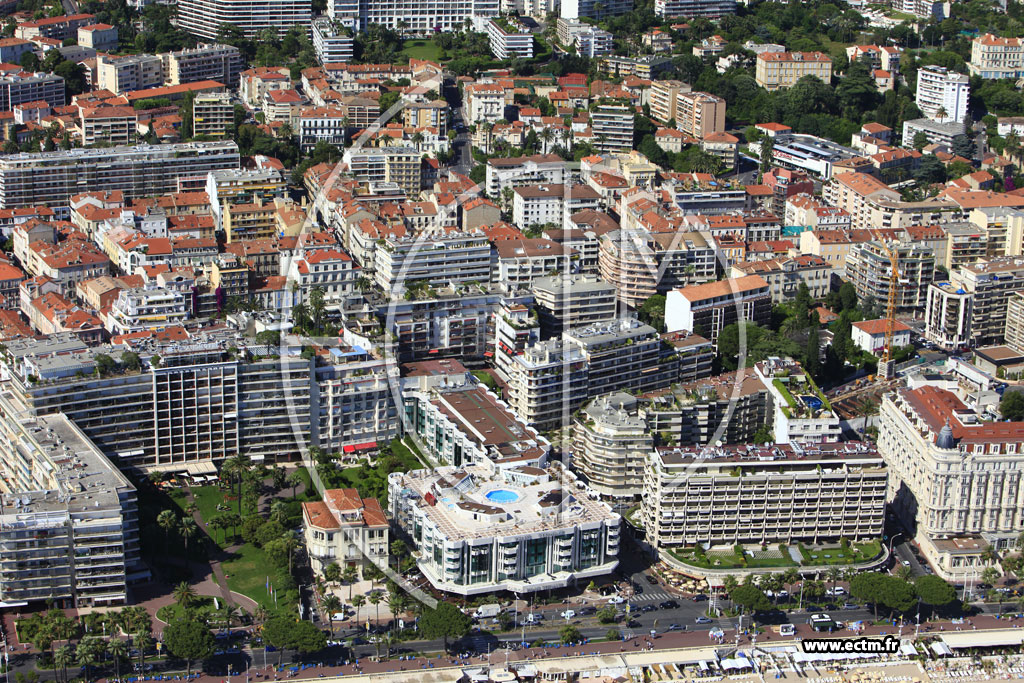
x,y
319,515
728,287
877,327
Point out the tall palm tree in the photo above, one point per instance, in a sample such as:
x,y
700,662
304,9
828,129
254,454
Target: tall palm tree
x,y
118,649
833,574
358,600
62,658
143,641
87,652
167,521
331,606
349,575
291,543
375,599
184,594
547,135
188,529
278,511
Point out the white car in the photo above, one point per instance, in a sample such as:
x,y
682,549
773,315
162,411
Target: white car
x,y
569,614
616,600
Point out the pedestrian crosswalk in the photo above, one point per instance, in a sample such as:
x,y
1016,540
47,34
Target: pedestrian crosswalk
x,y
649,596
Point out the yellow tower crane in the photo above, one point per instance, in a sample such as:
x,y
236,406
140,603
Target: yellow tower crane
x,y
885,369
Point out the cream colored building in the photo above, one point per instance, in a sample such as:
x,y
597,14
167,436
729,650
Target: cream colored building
x,y
777,70
955,478
997,57
610,446
346,530
699,114
813,493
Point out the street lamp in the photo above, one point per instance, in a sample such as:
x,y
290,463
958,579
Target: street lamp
x,y
893,539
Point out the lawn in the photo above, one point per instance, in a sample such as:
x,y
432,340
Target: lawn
x,y
421,49
247,574
202,605
862,552
207,499
832,555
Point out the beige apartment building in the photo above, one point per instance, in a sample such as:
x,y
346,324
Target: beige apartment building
x,y
346,530
610,446
997,57
777,70
124,74
812,493
663,97
700,114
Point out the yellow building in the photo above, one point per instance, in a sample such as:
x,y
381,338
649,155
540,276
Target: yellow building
x,y
783,69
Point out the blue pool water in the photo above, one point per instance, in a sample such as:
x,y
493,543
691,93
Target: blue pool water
x,y
812,402
502,496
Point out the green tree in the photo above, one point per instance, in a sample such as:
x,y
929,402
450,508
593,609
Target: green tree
x,y
868,587
167,521
444,621
118,650
332,573
652,311
331,605
184,594
1011,406
607,615
750,597
189,639
30,62
920,140
569,634
934,591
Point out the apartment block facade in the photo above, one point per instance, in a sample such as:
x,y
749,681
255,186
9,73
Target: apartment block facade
x,y
49,178
775,70
204,62
204,18
813,493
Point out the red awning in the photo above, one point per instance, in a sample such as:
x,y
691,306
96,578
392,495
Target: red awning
x,y
365,446
349,449
488,354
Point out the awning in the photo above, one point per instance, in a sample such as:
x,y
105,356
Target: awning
x,y
703,665
907,648
941,649
965,639
735,663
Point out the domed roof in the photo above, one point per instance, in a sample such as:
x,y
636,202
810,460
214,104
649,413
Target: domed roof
x,y
945,438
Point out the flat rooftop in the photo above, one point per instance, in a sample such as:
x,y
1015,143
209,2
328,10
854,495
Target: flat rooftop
x,y
753,454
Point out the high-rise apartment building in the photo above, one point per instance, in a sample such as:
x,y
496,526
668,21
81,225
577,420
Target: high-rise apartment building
x,y
991,283
213,114
19,87
50,178
612,125
124,74
769,494
700,114
869,268
610,446
595,9
204,62
414,17
69,525
942,94
398,165
690,9
948,315
509,39
204,18
331,44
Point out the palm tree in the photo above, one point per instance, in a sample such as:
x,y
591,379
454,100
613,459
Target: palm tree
x,y
118,649
904,573
278,511
184,594
295,479
143,641
790,577
280,477
188,529
547,135
260,614
62,658
88,652
375,599
331,605
216,523
396,603
417,139
349,575
191,509
358,600
167,521
227,613
941,113
398,550
291,542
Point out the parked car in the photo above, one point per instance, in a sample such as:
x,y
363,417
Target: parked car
x,y
616,600
669,604
700,597
704,620
675,627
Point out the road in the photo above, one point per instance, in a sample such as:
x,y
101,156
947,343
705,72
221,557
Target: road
x,y
462,146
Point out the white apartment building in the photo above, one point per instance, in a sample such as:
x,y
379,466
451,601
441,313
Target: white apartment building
x,y
331,45
595,9
547,382
402,262
213,114
523,260
479,529
997,57
991,282
63,539
19,87
802,413
869,268
515,328
784,275
568,301
942,94
485,102
99,37
948,314
398,165
49,178
870,335
329,270
610,446
414,18
509,40
689,9
146,308
316,124
706,308
204,18
554,204
612,126
782,493
346,530
531,170
1014,334
593,42
124,74
204,62
955,477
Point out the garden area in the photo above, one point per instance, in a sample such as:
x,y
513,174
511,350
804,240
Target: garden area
x,y
421,49
369,479
781,555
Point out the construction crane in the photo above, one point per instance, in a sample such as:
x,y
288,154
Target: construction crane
x,y
885,362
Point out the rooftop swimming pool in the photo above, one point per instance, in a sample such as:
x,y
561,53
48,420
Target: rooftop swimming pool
x,y
502,496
